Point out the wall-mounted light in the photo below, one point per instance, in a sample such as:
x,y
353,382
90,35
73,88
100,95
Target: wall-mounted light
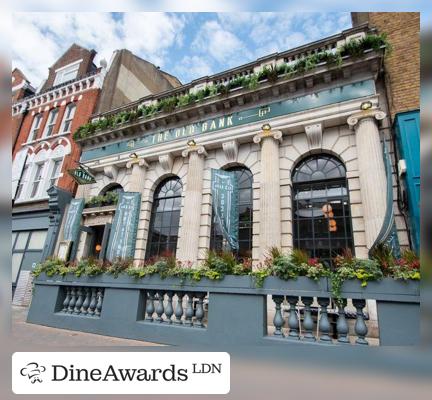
x,y
191,143
366,105
266,127
133,156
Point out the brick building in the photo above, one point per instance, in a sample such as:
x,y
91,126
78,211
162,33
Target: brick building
x,y
402,82
43,150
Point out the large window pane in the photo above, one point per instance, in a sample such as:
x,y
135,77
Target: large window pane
x,y
165,219
16,263
321,212
37,240
21,241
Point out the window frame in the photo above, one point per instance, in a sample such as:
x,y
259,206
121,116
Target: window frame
x,y
176,223
36,124
37,182
55,177
67,69
321,185
67,118
51,122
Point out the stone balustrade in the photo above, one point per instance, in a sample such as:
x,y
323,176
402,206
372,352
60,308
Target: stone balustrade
x,y
231,311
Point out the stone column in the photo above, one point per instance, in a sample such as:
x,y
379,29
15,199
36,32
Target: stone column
x,y
136,184
137,176
372,174
270,203
188,241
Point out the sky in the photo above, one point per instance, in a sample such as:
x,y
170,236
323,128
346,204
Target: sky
x,y
187,45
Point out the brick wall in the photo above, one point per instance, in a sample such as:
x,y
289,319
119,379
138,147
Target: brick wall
x,y
85,107
402,66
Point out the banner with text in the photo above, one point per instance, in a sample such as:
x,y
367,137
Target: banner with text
x,y
124,228
224,189
73,220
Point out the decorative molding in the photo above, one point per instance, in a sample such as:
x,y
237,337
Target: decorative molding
x,y
140,161
314,136
166,161
230,150
276,135
111,171
354,119
199,149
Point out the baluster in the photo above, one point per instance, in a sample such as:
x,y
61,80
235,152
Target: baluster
x,y
99,302
324,324
308,323
342,325
179,308
150,306
189,310
67,299
199,313
169,308
86,303
293,321
160,307
360,327
93,302
79,302
278,320
72,301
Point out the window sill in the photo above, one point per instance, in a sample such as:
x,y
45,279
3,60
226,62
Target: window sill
x,y
32,200
45,138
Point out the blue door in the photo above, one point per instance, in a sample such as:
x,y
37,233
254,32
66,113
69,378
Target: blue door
x,y
408,139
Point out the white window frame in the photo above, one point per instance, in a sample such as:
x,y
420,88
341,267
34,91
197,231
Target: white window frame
x,y
51,121
39,181
68,117
37,120
22,182
52,171
63,72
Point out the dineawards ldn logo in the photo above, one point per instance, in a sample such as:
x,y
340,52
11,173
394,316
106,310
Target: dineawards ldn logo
x,y
121,373
33,371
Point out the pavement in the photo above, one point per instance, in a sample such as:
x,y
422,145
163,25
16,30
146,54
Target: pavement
x,y
25,334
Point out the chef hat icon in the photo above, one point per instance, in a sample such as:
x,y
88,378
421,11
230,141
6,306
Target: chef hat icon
x,y
32,371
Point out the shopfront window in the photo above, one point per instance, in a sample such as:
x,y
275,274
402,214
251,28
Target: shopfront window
x,y
245,212
321,208
165,218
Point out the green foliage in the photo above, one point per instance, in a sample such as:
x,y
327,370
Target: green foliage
x,y
51,266
107,199
222,262
118,266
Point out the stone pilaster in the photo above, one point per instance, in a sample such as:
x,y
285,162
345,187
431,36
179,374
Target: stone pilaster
x,y
371,170
188,241
138,168
137,176
270,203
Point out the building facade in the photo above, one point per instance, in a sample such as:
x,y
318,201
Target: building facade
x,y
308,139
43,121
402,80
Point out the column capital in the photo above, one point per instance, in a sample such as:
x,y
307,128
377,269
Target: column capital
x,y
199,149
374,114
141,162
276,135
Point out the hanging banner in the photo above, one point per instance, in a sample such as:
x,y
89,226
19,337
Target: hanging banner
x,y
123,234
224,188
81,176
73,220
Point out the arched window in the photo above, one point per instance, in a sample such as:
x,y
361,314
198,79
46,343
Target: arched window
x,y
165,218
112,187
217,242
321,208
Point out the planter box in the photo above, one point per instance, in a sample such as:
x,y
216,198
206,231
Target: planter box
x,y
385,289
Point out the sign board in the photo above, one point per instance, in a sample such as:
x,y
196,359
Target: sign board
x,y
73,220
224,189
256,114
123,233
81,176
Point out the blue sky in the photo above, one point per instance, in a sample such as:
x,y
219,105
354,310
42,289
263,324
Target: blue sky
x,y
187,45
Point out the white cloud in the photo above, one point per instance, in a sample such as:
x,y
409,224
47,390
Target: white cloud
x,y
219,43
193,67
